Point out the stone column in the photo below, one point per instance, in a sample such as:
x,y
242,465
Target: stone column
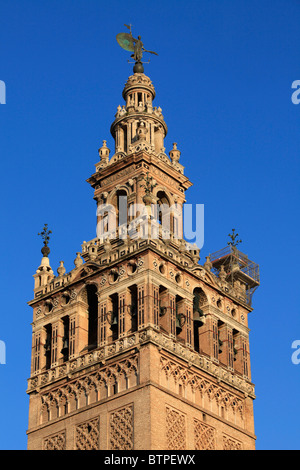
x,y
72,336
129,135
188,328
154,306
141,294
208,336
130,303
122,320
81,327
226,348
121,139
102,323
168,310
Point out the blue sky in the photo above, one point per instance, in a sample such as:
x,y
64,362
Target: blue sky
x,y
223,79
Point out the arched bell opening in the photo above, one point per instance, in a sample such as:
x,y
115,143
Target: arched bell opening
x,y
92,301
180,314
199,300
119,201
163,215
133,307
163,300
114,317
65,340
47,345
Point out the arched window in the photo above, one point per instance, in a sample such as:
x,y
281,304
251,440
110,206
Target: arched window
x,y
119,201
163,205
163,215
106,220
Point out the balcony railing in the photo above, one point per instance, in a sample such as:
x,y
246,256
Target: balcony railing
x,y
230,256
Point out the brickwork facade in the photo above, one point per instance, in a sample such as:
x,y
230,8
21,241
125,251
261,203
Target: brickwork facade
x,y
139,346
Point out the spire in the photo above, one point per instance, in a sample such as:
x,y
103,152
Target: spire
x,y
45,236
138,125
44,272
104,153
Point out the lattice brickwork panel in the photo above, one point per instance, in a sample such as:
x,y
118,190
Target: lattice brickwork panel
x,y
231,444
121,429
204,436
55,442
175,430
87,435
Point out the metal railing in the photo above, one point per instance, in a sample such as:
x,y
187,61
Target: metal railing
x,y
231,255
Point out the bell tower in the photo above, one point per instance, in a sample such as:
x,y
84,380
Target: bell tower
x,y
140,347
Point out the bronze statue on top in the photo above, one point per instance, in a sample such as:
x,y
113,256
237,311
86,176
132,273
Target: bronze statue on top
x,y
129,43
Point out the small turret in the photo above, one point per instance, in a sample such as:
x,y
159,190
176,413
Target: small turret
x,y
104,153
174,154
44,272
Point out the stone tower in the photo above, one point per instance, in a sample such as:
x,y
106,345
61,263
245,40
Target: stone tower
x,y
139,346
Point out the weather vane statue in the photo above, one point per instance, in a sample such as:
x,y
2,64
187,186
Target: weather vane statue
x,y
129,43
45,236
234,242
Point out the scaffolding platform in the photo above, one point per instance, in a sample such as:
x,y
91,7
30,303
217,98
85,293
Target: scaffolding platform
x,y
236,266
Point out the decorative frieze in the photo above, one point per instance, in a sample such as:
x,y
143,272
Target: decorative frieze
x,y
201,390
91,388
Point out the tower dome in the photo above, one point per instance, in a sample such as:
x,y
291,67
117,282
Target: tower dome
x,y
138,94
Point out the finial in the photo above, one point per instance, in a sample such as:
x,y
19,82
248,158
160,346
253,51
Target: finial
x,y
174,153
104,152
78,260
208,263
61,269
234,242
129,43
45,236
107,245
